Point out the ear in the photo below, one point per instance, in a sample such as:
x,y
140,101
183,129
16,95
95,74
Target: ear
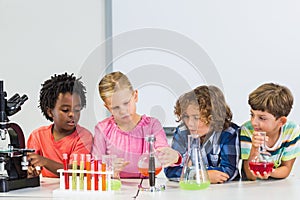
x,y
136,95
107,107
49,112
282,120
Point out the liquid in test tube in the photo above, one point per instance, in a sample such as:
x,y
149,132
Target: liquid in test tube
x,y
96,175
88,169
103,169
81,175
74,174
66,175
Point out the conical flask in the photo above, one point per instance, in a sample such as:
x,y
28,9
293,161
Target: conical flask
x,y
194,175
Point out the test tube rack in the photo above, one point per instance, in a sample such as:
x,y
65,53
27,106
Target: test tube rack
x,y
75,177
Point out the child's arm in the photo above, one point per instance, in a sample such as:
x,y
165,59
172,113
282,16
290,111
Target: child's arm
x,y
51,165
284,170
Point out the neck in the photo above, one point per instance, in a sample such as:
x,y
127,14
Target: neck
x,y
131,125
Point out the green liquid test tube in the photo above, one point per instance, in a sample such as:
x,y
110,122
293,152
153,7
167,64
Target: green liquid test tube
x,y
74,174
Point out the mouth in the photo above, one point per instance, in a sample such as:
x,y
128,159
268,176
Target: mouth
x,y
71,123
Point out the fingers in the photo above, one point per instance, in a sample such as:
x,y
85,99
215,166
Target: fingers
x,y
167,156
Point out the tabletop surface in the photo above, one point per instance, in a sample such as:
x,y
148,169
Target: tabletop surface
x,y
262,189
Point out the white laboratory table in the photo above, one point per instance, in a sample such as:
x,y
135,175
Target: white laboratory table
x,y
263,189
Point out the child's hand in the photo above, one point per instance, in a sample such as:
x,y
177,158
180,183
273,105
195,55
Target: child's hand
x,y
265,175
167,156
36,160
258,139
33,171
34,168
119,164
216,176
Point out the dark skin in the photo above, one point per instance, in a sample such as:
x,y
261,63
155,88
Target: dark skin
x,y
65,115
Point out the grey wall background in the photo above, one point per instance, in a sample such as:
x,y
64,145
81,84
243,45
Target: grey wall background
x,y
247,43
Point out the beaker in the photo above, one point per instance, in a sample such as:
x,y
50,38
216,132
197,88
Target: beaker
x,y
194,174
149,165
263,162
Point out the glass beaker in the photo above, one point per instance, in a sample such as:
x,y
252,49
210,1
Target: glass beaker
x,y
263,162
194,175
149,165
143,163
115,180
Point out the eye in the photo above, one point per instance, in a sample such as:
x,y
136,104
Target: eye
x,y
262,118
65,110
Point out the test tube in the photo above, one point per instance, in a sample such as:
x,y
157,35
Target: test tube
x,y
88,169
74,174
96,182
81,174
103,169
66,175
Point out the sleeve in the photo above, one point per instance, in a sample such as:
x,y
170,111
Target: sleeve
x,y
246,142
179,143
99,144
160,135
229,154
32,142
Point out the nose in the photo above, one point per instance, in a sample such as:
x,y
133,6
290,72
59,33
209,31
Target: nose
x,y
254,121
190,123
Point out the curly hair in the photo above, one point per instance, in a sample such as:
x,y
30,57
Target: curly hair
x,y
213,108
56,85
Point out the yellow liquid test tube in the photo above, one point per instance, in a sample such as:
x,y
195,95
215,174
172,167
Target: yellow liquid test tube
x,y
74,174
81,174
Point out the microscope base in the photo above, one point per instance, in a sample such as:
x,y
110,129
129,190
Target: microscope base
x,y
7,185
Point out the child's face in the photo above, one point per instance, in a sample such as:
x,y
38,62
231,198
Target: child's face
x,y
122,105
66,112
193,121
264,121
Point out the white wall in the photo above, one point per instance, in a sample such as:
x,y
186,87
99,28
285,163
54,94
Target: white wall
x,y
248,42
236,45
40,38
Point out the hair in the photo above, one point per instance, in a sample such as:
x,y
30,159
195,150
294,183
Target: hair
x,y
272,98
113,82
213,108
60,84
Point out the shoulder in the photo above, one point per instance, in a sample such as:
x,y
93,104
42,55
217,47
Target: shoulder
x,y
105,125
181,131
291,130
83,131
150,122
41,130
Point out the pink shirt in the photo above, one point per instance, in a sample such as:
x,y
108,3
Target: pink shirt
x,y
130,145
42,140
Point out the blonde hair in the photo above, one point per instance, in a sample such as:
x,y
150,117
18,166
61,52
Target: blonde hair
x,y
213,108
113,82
272,98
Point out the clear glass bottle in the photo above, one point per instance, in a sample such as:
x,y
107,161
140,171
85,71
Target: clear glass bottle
x,y
263,162
194,174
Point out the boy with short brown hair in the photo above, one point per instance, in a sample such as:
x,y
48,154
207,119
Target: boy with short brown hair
x,y
270,105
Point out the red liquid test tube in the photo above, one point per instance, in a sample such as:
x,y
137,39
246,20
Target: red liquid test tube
x,y
66,175
88,169
103,169
96,175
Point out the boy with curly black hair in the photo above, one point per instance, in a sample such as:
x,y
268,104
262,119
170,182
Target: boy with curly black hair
x,y
62,98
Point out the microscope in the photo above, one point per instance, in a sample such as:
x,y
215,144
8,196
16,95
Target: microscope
x,y
13,154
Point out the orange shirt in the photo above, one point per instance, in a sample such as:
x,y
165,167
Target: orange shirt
x,y
42,140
